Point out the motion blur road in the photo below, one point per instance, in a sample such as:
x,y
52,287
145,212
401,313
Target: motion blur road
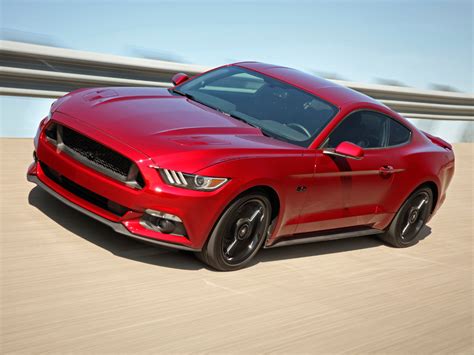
x,y
70,284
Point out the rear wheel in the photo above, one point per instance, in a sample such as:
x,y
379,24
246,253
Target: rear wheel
x,y
410,219
238,234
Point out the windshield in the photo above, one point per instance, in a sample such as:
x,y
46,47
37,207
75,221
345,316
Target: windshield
x,y
280,110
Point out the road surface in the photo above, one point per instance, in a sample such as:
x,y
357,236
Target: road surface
x,y
70,284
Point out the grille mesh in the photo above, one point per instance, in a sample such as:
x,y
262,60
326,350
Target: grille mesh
x,y
96,152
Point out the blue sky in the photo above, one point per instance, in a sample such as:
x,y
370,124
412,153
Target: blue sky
x,y
414,42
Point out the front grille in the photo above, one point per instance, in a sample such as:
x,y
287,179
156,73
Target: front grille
x,y
95,155
96,152
82,192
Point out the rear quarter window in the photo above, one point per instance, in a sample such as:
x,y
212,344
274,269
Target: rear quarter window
x,y
399,134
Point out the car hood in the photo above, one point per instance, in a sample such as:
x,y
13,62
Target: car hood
x,y
167,128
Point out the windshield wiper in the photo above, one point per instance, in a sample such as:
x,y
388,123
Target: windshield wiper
x,y
237,117
185,94
191,97
233,115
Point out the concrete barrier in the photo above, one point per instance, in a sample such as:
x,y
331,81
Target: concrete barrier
x,y
31,70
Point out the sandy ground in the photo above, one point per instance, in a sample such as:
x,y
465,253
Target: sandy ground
x,y
70,284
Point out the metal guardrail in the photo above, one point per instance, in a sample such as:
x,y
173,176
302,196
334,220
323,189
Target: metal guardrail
x,y
41,71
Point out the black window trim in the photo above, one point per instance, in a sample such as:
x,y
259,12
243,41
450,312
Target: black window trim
x,y
321,146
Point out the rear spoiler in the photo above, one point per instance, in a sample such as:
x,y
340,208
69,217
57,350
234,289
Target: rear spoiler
x,y
438,141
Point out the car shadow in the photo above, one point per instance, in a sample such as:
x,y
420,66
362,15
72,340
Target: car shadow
x,y
105,237
326,247
119,245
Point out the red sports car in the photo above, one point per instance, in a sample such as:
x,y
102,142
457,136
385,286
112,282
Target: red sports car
x,y
244,156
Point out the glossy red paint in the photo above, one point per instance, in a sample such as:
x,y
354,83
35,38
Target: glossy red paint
x,y
154,128
349,150
179,78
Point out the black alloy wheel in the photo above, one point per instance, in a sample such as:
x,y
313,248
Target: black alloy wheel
x,y
405,228
239,233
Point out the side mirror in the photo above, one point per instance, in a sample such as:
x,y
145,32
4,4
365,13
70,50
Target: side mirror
x,y
179,78
347,150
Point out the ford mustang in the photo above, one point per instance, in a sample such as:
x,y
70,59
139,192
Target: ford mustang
x,y
245,156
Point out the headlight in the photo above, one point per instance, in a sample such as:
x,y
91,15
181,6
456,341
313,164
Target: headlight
x,y
191,181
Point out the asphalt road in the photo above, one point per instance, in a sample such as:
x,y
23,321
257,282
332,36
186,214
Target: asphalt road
x,y
69,284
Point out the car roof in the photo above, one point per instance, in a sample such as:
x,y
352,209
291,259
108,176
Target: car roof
x,y
327,90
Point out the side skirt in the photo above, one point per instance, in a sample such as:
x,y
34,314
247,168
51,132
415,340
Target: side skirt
x,y
323,236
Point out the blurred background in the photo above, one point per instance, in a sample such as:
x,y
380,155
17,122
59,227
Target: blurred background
x,y
415,55
70,285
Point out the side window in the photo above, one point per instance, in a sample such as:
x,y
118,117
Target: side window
x,y
399,134
367,129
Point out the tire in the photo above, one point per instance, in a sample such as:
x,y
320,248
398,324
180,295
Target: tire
x,y
410,219
238,234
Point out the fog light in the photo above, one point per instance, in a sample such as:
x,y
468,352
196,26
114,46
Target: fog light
x,y
163,222
166,226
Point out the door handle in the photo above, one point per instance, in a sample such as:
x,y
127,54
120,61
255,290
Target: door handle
x,y
386,170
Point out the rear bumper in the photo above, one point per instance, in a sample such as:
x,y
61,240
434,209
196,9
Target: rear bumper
x,y
116,226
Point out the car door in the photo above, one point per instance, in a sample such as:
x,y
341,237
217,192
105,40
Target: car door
x,y
349,192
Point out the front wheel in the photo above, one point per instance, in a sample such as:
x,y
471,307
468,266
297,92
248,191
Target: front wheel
x,y
238,234
410,219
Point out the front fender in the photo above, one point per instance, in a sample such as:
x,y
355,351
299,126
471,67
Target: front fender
x,y
283,174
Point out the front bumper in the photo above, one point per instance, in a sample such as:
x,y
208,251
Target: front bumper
x,y
197,210
117,227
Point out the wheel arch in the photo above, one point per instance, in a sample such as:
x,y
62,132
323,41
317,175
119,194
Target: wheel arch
x,y
270,192
430,183
267,190
434,188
